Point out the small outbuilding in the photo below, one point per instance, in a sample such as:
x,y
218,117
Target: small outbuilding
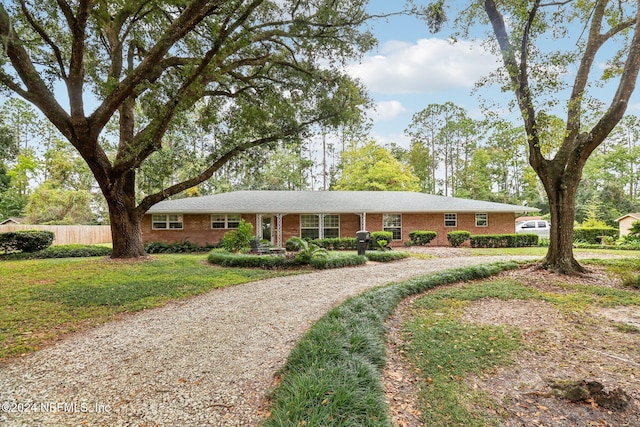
x,y
279,215
625,222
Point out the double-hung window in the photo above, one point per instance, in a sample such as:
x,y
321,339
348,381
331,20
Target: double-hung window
x,y
331,226
393,223
166,222
225,220
450,220
311,225
482,220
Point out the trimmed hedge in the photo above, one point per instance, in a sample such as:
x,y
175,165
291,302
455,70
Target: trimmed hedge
x,y
421,237
26,241
591,235
503,240
62,251
336,244
457,238
386,256
176,248
227,259
324,263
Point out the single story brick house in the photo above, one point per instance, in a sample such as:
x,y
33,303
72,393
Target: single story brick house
x,y
280,215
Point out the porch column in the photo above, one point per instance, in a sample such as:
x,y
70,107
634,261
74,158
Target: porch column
x,y
279,229
363,221
259,226
321,224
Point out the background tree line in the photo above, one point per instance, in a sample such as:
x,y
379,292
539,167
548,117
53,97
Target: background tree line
x,y
44,179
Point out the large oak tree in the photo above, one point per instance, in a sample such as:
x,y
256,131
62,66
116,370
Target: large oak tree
x,y
255,71
551,53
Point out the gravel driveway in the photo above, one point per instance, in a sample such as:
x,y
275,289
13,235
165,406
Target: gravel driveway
x,y
206,361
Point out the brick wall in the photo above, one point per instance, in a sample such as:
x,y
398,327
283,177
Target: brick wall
x,y
197,228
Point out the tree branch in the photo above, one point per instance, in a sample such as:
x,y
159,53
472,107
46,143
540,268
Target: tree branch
x,y
45,37
190,17
152,199
36,91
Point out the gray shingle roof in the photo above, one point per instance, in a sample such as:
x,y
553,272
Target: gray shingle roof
x,y
289,202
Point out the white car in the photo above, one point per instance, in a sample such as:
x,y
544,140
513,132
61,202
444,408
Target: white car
x,y
539,227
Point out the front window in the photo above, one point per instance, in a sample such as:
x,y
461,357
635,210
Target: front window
x,y
225,220
331,226
309,226
166,222
450,220
393,223
482,220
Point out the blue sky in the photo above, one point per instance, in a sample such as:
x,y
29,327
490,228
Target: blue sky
x,y
412,68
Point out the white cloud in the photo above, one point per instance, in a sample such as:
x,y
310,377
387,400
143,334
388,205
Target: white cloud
x,y
387,110
427,66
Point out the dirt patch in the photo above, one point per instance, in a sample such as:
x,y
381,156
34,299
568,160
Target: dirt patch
x,y
558,345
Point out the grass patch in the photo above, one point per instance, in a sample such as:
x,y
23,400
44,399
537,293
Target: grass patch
x,y
44,299
445,349
542,251
333,376
527,251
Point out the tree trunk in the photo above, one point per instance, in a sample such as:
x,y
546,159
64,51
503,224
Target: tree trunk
x,y
126,234
125,218
561,190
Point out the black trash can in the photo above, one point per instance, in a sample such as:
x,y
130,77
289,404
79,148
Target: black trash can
x,y
362,241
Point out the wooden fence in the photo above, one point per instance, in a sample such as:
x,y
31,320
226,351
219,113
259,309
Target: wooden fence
x,y
68,234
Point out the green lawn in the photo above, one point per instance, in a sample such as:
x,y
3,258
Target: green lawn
x,y
41,300
542,251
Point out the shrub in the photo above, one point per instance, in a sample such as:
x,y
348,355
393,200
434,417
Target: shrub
x,y
176,248
593,235
376,236
322,263
239,239
62,251
291,246
421,237
634,231
336,244
503,240
228,259
26,241
73,251
386,256
457,238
